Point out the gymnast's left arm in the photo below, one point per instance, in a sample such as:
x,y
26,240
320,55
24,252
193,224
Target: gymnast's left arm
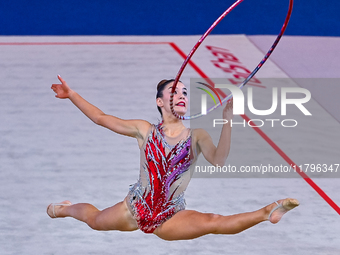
x,y
217,155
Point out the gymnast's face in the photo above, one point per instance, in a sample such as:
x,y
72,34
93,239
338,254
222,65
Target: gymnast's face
x,y
180,99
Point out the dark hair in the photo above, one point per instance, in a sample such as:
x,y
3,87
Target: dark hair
x,y
160,87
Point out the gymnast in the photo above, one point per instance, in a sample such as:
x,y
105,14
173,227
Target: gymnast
x,y
155,204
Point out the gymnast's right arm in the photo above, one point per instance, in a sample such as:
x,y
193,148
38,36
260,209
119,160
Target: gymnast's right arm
x,y
132,128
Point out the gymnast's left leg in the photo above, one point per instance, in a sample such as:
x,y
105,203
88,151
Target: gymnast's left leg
x,y
188,224
117,217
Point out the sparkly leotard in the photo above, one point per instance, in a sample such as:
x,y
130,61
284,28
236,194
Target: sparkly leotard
x,y
164,175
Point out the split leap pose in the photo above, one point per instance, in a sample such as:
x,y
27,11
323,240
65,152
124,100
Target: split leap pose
x,y
155,204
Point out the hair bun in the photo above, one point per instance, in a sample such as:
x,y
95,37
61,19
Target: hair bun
x,y
161,83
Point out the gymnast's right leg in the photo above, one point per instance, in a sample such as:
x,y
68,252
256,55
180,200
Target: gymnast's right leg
x,y
117,217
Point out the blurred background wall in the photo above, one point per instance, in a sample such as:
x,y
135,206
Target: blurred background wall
x,y
176,17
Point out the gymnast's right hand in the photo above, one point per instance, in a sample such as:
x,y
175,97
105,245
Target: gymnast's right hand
x,y
62,90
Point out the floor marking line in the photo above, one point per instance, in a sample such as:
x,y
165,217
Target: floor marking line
x,y
75,43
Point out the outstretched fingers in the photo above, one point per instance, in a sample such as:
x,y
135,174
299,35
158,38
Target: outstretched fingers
x,y
61,79
62,90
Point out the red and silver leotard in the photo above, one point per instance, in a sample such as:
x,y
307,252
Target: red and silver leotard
x,y
164,175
